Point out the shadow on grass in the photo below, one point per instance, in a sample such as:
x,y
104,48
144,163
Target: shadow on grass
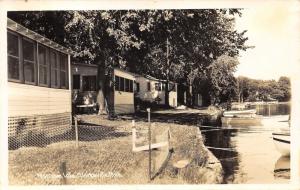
x,y
192,119
93,132
164,165
37,139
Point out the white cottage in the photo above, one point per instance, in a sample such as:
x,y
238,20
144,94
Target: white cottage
x,y
39,94
153,90
123,93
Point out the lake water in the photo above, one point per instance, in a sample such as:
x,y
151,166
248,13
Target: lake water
x,y
247,152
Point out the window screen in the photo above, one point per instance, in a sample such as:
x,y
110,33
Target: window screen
x,y
63,71
54,69
28,56
76,82
13,56
42,65
127,87
122,85
89,83
117,83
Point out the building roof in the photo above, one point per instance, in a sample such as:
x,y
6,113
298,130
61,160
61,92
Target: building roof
x,y
122,70
12,25
85,65
153,78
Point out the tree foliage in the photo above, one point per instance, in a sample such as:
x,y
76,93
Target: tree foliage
x,y
223,83
266,90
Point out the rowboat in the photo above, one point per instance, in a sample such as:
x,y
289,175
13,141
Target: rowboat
x,y
240,113
282,142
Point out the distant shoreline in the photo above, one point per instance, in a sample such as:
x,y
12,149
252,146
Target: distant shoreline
x,y
263,103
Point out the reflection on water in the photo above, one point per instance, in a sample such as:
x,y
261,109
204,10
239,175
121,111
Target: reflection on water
x,y
247,152
273,109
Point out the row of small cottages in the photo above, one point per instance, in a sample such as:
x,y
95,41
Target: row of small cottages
x,y
128,86
41,80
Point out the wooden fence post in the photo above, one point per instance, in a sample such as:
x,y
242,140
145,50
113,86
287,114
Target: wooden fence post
x,y
76,131
133,135
149,140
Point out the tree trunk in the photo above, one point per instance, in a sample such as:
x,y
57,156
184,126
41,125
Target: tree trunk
x,y
189,96
101,90
167,103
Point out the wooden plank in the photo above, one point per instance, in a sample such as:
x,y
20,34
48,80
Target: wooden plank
x,y
153,146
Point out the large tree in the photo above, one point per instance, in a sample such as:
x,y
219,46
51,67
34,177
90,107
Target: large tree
x,y
223,83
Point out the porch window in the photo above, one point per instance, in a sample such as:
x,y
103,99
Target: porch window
x,y
130,85
13,56
29,61
63,71
122,84
76,82
89,83
117,83
54,69
32,63
127,87
42,65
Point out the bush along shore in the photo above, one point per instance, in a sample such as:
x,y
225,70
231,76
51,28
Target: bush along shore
x,y
104,154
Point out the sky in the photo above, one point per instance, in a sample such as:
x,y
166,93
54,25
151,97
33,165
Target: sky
x,y
271,29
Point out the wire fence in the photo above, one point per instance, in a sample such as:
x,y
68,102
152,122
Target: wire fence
x,y
38,130
94,150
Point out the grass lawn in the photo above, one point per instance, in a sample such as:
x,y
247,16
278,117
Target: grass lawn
x,y
105,156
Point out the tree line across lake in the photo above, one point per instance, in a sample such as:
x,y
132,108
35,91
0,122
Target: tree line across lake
x,y
197,48
266,90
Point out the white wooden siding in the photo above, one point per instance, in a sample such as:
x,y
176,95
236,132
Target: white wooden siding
x,y
84,70
173,98
29,100
123,101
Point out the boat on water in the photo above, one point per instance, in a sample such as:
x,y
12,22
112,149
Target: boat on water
x,y
277,118
240,113
282,142
241,121
282,164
